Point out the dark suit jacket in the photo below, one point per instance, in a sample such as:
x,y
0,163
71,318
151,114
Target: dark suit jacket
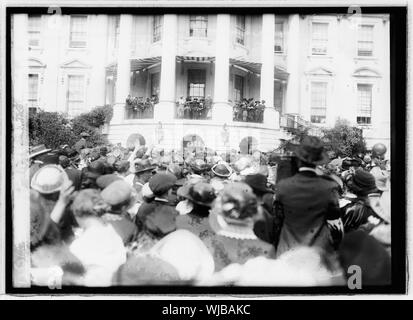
x,y
307,201
75,176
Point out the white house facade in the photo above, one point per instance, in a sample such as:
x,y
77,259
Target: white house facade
x,y
177,80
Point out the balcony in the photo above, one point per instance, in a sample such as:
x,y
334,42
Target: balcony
x,y
249,111
139,107
294,124
193,109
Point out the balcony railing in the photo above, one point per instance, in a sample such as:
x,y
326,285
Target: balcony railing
x,y
140,107
294,123
249,111
193,109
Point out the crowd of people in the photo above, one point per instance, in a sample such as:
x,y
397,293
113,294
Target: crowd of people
x,y
249,110
113,216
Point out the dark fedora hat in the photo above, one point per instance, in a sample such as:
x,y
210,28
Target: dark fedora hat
x,y
258,183
200,193
311,150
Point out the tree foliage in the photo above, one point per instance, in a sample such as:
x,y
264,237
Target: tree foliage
x,y
344,140
50,128
54,129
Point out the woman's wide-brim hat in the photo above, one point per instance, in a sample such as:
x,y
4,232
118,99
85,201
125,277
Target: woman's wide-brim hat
x,y
200,193
311,150
222,169
49,179
258,182
38,150
362,183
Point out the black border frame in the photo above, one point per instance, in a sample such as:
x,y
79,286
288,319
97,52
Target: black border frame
x,y
398,79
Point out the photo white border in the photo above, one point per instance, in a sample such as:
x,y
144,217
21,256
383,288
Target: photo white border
x,y
204,3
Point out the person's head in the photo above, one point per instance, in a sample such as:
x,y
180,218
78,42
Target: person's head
x,y
161,184
198,166
200,195
379,151
103,151
64,162
146,270
122,167
362,183
118,195
49,180
159,222
258,183
105,180
222,170
310,152
144,170
237,203
176,170
88,204
93,171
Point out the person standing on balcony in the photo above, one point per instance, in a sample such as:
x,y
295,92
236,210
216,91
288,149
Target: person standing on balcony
x,y
181,106
208,106
187,108
260,111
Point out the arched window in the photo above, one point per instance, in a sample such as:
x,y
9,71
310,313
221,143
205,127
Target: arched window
x,y
133,139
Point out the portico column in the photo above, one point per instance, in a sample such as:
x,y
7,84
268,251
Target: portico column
x,y
165,109
271,116
292,99
123,69
222,110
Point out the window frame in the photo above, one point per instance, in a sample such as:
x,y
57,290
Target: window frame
x,y
282,36
359,32
312,39
71,46
240,30
282,100
83,100
153,77
193,19
38,75
31,31
204,73
234,89
157,27
312,107
360,113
